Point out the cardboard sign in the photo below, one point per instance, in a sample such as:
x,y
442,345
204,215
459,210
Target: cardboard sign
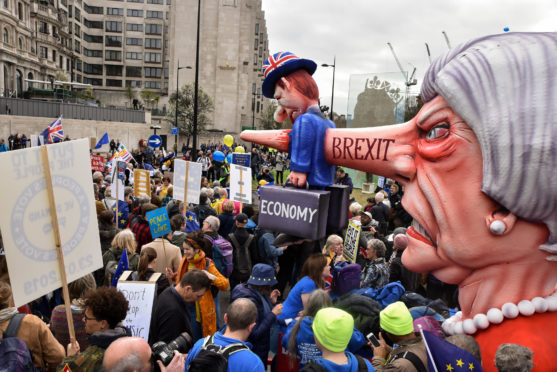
x,y
118,178
240,183
158,222
140,296
97,162
350,250
141,183
26,222
294,211
187,191
242,159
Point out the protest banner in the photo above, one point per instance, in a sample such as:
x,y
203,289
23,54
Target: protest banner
x,y
350,249
118,177
141,183
140,296
241,158
190,171
158,222
29,222
240,183
97,162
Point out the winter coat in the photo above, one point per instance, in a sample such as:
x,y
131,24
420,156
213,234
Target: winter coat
x,y
206,303
107,234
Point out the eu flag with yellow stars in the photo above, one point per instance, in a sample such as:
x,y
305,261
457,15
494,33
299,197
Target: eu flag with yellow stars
x,y
446,357
192,223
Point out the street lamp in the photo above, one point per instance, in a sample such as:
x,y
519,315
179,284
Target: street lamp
x,y
333,93
196,85
178,68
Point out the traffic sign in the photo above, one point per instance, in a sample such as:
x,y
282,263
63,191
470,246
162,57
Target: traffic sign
x,y
174,131
155,141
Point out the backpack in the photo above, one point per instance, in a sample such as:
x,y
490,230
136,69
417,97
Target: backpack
x,y
14,353
242,256
214,357
312,366
222,255
346,277
109,271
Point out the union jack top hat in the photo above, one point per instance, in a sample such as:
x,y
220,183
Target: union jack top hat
x,y
281,64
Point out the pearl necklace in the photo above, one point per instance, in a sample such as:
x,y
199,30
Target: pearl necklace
x,y
455,325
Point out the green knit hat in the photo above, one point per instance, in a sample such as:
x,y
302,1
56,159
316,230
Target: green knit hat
x,y
396,319
333,328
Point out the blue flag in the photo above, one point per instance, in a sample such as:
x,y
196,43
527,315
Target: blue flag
x,y
192,223
444,356
122,266
103,141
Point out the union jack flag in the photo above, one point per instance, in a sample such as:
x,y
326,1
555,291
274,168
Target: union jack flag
x,y
123,153
54,132
276,60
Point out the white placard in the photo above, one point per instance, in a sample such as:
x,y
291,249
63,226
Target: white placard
x,y
351,240
240,183
115,179
34,140
26,221
140,296
193,169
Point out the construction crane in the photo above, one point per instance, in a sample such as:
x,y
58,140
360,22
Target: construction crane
x,y
428,53
446,39
408,81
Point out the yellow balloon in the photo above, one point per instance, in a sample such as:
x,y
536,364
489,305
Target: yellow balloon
x,y
240,149
228,140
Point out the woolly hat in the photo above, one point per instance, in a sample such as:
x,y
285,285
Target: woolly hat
x,y
396,319
281,64
333,328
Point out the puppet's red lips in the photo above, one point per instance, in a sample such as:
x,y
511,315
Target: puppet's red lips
x,y
417,232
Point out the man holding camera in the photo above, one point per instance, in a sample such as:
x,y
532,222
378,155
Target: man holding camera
x,y
266,175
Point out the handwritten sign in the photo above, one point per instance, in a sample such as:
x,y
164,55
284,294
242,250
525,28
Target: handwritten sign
x,y
350,250
190,189
26,222
97,162
240,183
158,222
140,296
241,159
141,183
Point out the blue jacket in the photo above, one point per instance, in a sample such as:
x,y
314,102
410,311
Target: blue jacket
x,y
226,224
261,333
267,251
352,365
307,350
306,147
244,360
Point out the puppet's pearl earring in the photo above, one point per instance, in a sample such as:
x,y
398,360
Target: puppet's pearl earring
x,y
497,227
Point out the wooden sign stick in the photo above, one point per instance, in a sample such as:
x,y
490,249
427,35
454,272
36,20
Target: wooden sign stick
x,y
241,184
58,243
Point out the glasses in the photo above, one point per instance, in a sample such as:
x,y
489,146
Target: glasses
x,y
86,318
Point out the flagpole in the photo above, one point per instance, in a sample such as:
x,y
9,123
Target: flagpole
x,y
427,348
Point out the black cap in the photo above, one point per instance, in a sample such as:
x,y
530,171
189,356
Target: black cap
x,y
241,217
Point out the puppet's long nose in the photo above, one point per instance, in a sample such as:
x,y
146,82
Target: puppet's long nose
x,y
385,151
277,139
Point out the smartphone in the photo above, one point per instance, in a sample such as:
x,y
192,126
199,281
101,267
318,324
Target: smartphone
x,y
371,338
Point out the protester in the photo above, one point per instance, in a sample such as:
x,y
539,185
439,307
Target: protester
x,y
123,240
513,358
171,315
203,209
244,251
146,268
141,228
170,255
45,350
258,289
342,178
333,249
105,309
375,273
240,320
381,213
107,229
267,251
266,175
166,185
226,218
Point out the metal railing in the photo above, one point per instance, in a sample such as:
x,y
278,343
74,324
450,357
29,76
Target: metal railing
x,y
38,108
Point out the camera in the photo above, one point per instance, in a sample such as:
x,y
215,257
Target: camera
x,y
165,352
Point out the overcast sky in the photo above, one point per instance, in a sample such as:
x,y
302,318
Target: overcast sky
x,y
357,32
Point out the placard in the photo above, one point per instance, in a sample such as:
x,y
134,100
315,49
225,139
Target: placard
x,y
191,170
118,177
34,140
26,222
141,183
140,296
158,222
97,162
351,240
241,159
240,183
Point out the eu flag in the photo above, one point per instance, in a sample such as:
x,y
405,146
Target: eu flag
x,y
122,266
103,141
444,356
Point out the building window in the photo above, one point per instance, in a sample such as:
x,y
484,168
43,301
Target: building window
x,y
168,2
61,62
113,41
257,28
153,29
92,53
43,27
77,14
135,13
77,30
256,44
154,2
113,83
93,38
93,24
43,52
79,65
133,55
113,55
92,9
134,41
134,27
67,64
112,26
153,57
153,72
53,55
113,70
133,71
135,1
154,14
20,11
92,69
166,73
153,84
96,82
115,11
20,43
153,43
133,83
5,3
77,46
